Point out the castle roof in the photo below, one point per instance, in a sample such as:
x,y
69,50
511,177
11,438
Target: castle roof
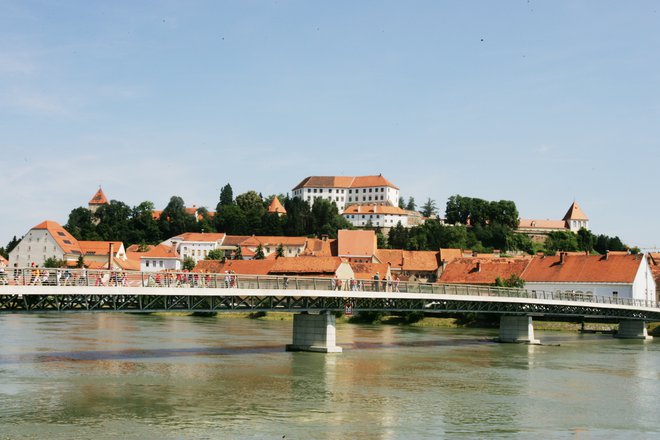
x,y
344,182
575,213
99,198
276,207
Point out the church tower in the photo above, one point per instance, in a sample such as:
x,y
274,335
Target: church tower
x,y
98,200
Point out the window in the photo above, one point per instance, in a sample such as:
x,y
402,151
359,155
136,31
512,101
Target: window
x,y
314,189
350,191
161,263
369,189
364,190
61,234
309,190
330,190
146,263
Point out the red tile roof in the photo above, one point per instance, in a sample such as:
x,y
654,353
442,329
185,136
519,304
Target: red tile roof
x,y
99,198
240,267
356,243
344,182
575,213
316,247
99,247
413,261
306,265
201,237
366,271
584,269
276,207
542,224
64,240
482,271
160,251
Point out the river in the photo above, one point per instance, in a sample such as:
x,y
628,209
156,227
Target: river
x,y
106,376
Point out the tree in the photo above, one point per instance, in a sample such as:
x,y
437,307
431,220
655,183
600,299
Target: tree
x,y
174,219
561,241
259,253
81,224
429,208
402,203
513,281
397,238
250,200
411,204
585,240
298,217
226,196
215,254
189,263
53,262
231,220
279,252
113,221
12,244
143,228
238,254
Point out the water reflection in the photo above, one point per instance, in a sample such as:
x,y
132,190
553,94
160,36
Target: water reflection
x,y
109,376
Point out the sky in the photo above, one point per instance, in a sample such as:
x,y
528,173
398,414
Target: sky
x,y
539,102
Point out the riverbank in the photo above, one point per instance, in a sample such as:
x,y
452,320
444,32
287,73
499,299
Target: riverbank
x,y
429,321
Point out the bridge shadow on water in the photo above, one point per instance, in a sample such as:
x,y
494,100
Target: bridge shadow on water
x,y
163,353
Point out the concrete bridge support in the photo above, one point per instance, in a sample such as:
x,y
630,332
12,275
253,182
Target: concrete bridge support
x,y
517,329
632,330
314,333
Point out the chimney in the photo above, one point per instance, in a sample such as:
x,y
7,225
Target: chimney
x,y
478,266
443,266
607,255
110,252
562,257
324,237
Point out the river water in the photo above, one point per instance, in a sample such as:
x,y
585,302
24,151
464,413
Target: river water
x,y
179,377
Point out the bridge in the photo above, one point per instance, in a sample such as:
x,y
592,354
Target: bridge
x,y
311,299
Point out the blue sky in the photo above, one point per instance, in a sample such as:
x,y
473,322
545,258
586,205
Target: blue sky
x,y
539,102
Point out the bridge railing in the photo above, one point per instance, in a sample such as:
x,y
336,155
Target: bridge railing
x,y
106,278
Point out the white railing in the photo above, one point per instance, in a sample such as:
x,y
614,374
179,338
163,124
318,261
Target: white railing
x,y
106,278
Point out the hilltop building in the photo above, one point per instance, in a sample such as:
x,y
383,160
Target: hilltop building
x,y
345,190
276,207
538,230
99,199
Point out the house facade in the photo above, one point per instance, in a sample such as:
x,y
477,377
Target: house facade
x,y
383,216
617,275
345,191
195,245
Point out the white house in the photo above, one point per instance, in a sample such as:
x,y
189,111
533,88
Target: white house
x,y
345,190
160,258
384,216
195,245
46,240
618,275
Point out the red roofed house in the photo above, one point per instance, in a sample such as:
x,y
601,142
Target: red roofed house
x,y
46,240
313,267
622,276
344,190
291,246
421,266
195,245
160,257
358,246
49,239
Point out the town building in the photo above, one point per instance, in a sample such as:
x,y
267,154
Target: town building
x,y
159,258
538,230
49,240
381,216
195,245
357,246
484,271
617,275
422,266
346,191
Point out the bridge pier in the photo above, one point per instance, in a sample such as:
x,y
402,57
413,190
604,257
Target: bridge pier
x,y
315,333
631,329
519,329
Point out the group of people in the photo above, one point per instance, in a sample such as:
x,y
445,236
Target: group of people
x,y
389,284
